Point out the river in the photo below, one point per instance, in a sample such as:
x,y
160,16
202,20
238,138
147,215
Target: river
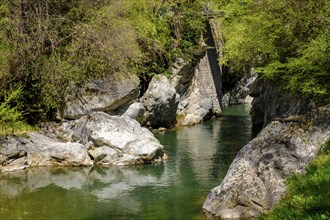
x,y
199,157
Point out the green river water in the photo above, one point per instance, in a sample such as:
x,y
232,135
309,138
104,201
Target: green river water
x,y
199,157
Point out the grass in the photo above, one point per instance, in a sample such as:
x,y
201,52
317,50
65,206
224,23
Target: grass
x,y
18,128
308,194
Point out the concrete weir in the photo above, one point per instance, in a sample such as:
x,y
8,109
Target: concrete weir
x,y
209,72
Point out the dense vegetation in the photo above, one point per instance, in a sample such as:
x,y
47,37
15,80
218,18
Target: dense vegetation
x,y
47,44
308,195
286,40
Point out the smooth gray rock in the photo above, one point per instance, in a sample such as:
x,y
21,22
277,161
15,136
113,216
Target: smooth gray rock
x,y
199,109
240,94
39,150
255,180
95,138
114,140
161,102
242,89
101,95
135,111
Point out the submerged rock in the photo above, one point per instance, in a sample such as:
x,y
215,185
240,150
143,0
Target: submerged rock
x,y
101,95
160,101
255,180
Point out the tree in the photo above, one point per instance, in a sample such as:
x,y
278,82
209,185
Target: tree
x,y
287,39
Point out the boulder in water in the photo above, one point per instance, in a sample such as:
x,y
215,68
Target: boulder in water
x,y
39,150
161,102
114,140
255,180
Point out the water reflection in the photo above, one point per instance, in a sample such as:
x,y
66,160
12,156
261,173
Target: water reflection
x,y
15,183
199,157
103,183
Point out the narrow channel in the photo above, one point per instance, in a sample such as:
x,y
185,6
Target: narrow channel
x,y
199,157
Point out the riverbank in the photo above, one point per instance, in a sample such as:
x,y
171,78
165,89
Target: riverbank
x,y
199,157
255,181
308,194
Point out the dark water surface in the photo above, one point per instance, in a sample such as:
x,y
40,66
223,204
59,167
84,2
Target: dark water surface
x,y
199,157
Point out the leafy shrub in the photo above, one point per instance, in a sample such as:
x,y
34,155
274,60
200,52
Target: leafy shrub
x,y
286,40
47,45
10,114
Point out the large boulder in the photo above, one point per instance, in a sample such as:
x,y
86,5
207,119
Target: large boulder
x,y
39,150
96,138
114,140
199,108
161,102
106,95
255,180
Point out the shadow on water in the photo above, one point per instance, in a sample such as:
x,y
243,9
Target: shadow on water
x,y
199,157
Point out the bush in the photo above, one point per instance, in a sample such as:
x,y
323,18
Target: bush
x,y
47,45
286,40
10,114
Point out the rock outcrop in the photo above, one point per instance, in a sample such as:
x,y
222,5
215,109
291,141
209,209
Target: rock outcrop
x,y
240,94
255,180
114,140
199,84
270,101
96,138
101,95
39,150
160,101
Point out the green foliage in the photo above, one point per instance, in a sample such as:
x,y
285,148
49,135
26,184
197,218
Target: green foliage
x,y
309,73
309,194
10,114
288,40
47,45
4,46
102,46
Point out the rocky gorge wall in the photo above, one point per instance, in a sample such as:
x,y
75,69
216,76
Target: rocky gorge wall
x,y
102,120
271,102
293,133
